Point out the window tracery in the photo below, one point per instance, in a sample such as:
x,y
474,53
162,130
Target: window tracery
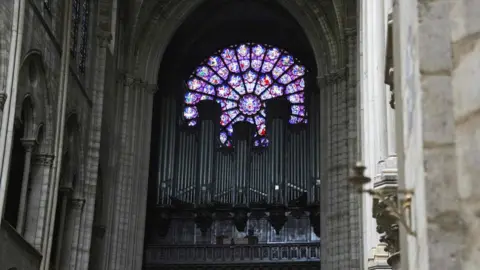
x,y
74,30
84,36
241,79
79,32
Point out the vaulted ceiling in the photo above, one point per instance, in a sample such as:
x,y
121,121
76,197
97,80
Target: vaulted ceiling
x,y
154,24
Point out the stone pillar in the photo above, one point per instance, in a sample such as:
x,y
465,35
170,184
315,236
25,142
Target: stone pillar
x,y
28,144
373,103
430,74
144,161
71,234
59,136
11,87
119,222
65,193
37,202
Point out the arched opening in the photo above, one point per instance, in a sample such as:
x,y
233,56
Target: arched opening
x,y
17,191
67,206
206,167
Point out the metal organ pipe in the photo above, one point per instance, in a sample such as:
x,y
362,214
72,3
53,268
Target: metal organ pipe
x,y
167,141
186,168
209,112
316,141
243,133
277,114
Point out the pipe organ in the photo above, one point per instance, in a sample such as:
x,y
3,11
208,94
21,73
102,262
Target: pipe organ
x,y
195,170
236,157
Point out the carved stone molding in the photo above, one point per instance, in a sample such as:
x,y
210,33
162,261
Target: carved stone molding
x,y
3,99
77,203
387,225
28,144
333,77
104,39
43,159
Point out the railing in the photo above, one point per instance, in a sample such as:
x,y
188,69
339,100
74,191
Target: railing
x,y
226,254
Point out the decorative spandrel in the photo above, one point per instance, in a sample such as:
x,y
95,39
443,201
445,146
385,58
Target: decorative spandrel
x,y
241,78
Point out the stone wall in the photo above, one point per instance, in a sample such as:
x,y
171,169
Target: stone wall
x,y
15,251
436,66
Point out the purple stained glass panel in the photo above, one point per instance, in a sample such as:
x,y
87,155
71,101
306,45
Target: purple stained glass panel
x,y
240,79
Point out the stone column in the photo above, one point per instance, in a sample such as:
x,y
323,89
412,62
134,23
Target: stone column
x,y
374,108
71,234
28,144
37,202
141,205
65,193
11,87
119,222
59,135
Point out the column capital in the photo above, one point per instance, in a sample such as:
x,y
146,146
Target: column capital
x,y
3,98
77,203
126,78
152,89
66,190
350,32
104,38
28,144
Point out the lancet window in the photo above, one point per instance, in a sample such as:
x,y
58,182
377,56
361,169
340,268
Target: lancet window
x,y
241,79
79,32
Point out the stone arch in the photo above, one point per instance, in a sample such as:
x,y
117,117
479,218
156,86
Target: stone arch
x,y
165,17
33,85
71,149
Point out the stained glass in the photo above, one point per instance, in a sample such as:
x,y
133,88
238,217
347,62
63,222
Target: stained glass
x,y
74,30
241,79
84,36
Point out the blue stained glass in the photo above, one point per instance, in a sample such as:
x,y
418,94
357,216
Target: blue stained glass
x,y
241,78
84,37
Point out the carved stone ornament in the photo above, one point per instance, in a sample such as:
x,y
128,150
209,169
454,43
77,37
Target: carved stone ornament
x,y
240,217
3,98
42,159
387,225
277,216
204,218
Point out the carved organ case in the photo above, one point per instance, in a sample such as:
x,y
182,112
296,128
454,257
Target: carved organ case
x,y
239,153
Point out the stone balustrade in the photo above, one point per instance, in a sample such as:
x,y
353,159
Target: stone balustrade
x,y
226,254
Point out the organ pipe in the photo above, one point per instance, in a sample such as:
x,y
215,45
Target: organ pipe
x,y
224,180
209,117
243,133
186,166
277,113
315,142
168,135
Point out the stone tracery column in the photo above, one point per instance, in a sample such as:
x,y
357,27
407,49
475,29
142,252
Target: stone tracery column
x,y
28,144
